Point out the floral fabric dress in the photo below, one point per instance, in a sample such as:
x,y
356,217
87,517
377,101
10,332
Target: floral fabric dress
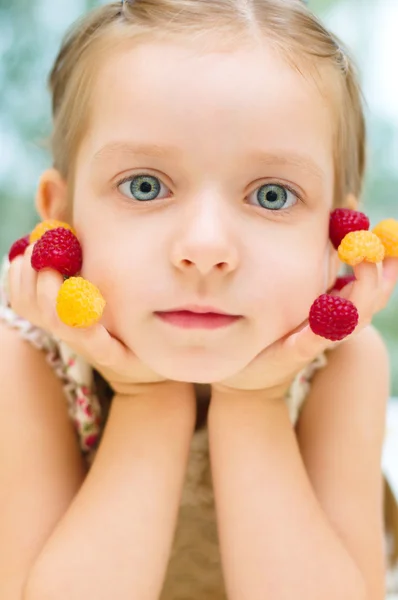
x,y
194,571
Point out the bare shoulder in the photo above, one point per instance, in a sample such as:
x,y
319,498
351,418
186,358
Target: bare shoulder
x,y
341,434
40,461
358,365
353,389
366,349
32,395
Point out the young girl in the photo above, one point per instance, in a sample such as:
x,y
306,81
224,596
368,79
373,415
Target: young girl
x,y
199,147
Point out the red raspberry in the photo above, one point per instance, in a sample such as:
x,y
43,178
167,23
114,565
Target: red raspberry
x,y
58,249
18,248
333,317
341,282
343,221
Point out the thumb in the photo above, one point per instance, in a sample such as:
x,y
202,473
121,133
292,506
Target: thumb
x,y
306,345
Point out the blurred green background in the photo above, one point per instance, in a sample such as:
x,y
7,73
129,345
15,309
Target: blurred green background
x,y
30,33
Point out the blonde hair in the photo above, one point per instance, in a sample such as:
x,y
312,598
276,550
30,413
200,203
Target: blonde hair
x,y
287,24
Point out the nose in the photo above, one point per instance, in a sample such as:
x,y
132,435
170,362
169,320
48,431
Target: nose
x,y
205,241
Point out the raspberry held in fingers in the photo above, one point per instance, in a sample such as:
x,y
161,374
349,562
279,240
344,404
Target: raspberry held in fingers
x,y
343,221
18,248
387,232
58,249
358,246
79,303
41,229
332,317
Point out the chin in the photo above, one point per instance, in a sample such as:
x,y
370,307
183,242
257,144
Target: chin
x,y
199,370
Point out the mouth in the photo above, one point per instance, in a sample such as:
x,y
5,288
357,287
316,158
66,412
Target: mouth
x,y
197,317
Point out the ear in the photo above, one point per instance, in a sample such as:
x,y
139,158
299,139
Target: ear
x,y
52,197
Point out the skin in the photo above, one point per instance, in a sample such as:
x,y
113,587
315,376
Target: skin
x,y
207,237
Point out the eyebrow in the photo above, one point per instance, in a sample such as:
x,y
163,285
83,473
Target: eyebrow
x,y
292,159
152,150
289,159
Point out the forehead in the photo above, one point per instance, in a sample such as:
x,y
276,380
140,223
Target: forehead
x,y
165,92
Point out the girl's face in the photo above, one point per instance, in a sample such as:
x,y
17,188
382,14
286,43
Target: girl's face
x,y
206,178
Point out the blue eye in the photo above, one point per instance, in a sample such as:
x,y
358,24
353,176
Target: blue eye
x,y
274,197
142,188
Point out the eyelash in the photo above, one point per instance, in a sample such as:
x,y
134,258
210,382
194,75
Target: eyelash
x,y
273,182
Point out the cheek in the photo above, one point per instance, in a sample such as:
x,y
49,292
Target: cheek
x,y
118,266
117,269
303,277
112,241
293,278
115,266
112,259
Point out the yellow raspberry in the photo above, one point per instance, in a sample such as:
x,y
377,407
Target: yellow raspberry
x,y
387,232
79,303
358,246
45,226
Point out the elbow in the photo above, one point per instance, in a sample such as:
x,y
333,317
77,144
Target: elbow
x,y
48,580
39,587
368,590
357,588
31,590
352,588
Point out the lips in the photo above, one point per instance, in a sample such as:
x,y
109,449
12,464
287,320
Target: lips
x,y
196,308
197,318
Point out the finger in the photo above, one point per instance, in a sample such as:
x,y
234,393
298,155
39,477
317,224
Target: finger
x,y
14,283
344,292
306,345
110,352
363,293
29,286
94,342
391,269
389,280
366,289
48,285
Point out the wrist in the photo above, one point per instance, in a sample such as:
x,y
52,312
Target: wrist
x,y
226,395
157,424
166,397
243,407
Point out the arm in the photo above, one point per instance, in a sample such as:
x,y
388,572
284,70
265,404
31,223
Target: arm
x,y
41,468
302,517
115,540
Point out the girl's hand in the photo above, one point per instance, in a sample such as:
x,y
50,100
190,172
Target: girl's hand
x,y
33,297
274,369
